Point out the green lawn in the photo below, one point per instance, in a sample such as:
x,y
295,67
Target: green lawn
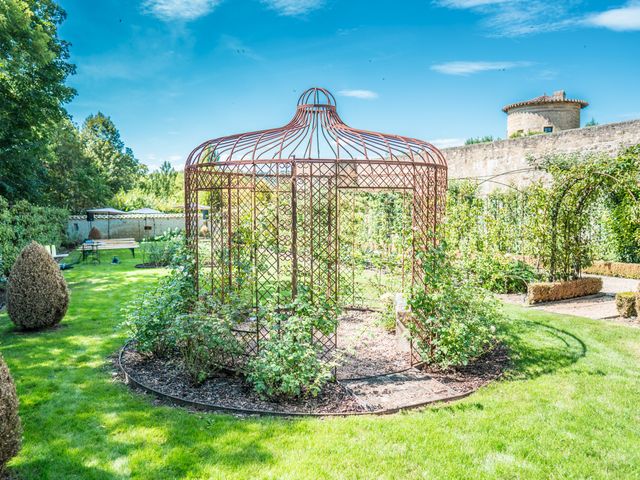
x,y
569,409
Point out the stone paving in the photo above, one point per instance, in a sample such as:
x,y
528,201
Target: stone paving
x,y
398,390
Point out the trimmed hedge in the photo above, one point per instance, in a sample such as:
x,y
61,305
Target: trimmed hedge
x,y
626,304
615,269
37,294
23,223
552,291
10,427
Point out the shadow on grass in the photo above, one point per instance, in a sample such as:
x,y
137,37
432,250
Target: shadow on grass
x,y
79,425
537,348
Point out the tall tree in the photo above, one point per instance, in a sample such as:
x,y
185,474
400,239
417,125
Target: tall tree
x,y
33,68
115,161
74,180
162,183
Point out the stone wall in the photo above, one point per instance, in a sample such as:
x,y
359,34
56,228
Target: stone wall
x,y
505,161
126,226
534,118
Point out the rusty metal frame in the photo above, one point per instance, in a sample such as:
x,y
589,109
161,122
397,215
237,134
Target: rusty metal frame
x,y
274,199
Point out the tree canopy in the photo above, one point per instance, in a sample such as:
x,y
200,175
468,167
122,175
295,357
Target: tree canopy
x,y
33,69
115,161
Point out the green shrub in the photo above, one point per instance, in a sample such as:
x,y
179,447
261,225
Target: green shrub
x,y
10,426
452,320
290,362
148,318
204,340
37,294
501,275
626,304
23,223
161,249
388,315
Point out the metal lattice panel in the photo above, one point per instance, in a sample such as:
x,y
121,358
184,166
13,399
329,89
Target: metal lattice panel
x,y
276,201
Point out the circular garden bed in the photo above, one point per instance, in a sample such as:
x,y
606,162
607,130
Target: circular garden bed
x,y
374,377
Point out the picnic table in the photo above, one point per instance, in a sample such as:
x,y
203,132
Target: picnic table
x,y
92,248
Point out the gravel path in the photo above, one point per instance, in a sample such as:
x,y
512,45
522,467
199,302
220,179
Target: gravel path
x,y
365,348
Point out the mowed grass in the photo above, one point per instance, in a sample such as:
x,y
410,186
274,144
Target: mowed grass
x,y
570,408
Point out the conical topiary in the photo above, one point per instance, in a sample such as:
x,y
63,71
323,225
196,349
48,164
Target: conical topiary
x,y
10,427
37,295
94,234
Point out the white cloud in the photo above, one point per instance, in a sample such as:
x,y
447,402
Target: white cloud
x,y
362,94
468,3
179,10
468,68
620,19
293,8
512,18
447,142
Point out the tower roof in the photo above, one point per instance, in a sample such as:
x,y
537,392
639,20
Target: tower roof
x,y
558,97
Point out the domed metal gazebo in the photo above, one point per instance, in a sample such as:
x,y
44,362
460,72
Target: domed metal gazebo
x,y
274,224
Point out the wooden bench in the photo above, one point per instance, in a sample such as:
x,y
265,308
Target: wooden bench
x,y
94,247
56,256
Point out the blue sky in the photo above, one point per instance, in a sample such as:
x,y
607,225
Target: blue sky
x,y
173,73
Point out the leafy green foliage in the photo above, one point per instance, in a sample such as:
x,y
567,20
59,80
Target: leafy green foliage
x,y
589,209
33,68
74,180
148,318
289,363
501,274
453,319
115,161
23,223
204,339
161,249
580,183
162,183
485,139
485,233
388,313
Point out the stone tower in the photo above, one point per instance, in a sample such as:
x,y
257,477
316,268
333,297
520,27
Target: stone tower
x,y
544,114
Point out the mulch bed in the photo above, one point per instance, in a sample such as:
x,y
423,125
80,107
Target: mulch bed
x,y
484,369
365,348
231,391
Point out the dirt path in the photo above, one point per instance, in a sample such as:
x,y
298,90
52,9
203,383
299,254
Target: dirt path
x,y
365,348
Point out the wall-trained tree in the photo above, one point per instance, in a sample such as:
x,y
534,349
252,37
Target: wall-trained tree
x,y
37,294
